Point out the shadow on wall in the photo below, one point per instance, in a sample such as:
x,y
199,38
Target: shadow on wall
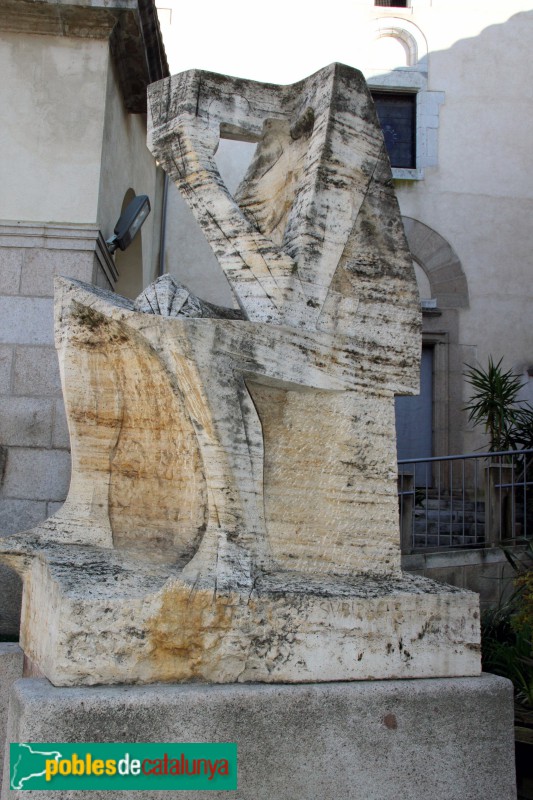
x,y
10,601
495,101
129,263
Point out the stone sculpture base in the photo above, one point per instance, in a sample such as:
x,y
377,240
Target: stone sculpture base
x,y
447,739
121,621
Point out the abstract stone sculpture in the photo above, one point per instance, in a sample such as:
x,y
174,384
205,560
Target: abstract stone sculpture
x,y
233,514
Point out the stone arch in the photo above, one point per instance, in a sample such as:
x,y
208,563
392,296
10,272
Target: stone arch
x,y
440,263
129,263
407,41
410,36
400,55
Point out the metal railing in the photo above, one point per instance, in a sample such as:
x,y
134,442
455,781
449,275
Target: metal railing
x,y
471,500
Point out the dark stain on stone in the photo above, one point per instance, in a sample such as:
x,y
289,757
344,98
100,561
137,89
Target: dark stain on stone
x,y
390,721
89,317
304,125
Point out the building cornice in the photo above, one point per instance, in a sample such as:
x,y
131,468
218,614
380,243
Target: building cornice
x,y
132,27
50,236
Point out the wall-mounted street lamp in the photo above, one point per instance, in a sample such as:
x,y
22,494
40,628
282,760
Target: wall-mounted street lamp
x,y
129,223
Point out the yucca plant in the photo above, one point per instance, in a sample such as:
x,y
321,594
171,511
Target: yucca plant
x,y
494,405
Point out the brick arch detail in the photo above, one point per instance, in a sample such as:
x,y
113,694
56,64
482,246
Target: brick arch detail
x,y
440,262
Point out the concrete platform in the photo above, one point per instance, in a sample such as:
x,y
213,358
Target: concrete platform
x,y
443,739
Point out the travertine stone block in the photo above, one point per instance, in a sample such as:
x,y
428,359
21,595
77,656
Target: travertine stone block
x,y
232,513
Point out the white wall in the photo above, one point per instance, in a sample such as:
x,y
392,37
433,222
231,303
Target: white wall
x,y
52,98
480,196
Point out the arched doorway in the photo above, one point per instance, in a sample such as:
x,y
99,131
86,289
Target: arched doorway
x,y
423,421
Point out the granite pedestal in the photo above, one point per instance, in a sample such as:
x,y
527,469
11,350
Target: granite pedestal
x,y
444,739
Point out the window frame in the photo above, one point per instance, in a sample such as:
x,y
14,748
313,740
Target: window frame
x,y
401,94
392,4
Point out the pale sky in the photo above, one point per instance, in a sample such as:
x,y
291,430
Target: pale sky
x,y
280,41
283,41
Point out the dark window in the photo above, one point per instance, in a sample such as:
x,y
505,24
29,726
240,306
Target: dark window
x,y
394,3
397,115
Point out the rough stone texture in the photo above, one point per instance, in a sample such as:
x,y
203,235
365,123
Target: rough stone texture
x,y
26,320
26,421
10,270
53,508
36,372
37,474
11,657
313,237
448,739
41,266
232,513
34,464
16,515
6,360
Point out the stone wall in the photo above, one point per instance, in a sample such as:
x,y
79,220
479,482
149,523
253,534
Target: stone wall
x,y
71,150
34,441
